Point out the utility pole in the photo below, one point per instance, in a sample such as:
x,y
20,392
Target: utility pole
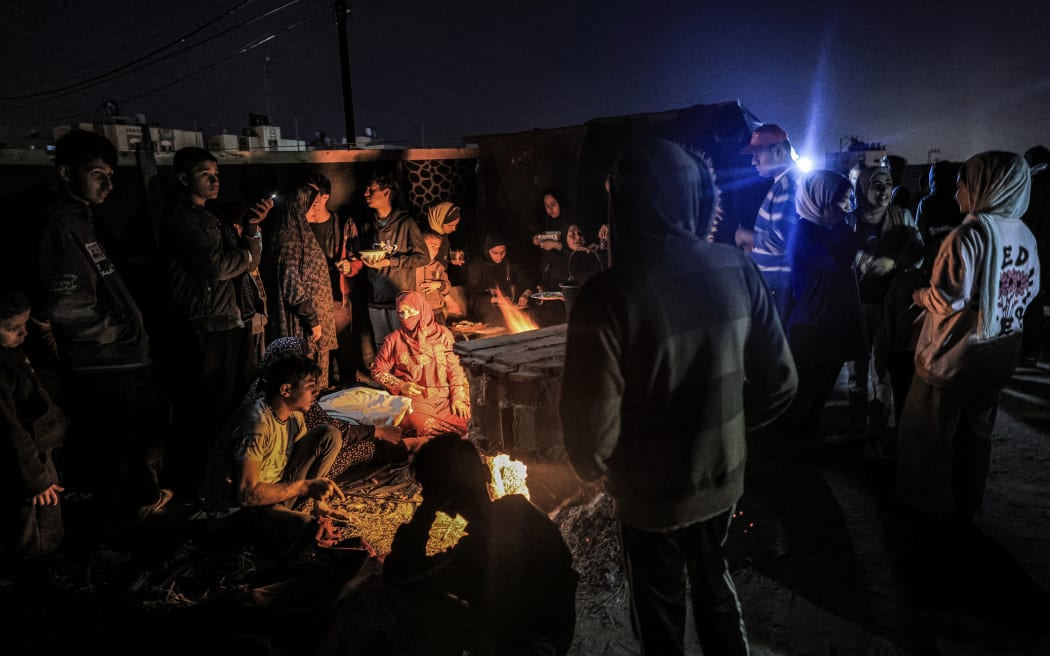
x,y
341,12
267,91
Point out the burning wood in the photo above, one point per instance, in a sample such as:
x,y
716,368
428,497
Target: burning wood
x,y
508,476
376,517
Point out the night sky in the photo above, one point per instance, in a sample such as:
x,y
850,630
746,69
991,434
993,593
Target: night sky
x,y
960,77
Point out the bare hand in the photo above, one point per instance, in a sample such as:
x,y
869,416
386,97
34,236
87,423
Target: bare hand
x,y
343,266
256,213
48,497
390,434
745,239
378,264
603,233
413,443
523,300
460,409
315,333
883,265
323,489
411,389
46,334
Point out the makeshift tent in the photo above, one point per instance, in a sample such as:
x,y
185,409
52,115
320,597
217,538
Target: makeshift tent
x,y
515,169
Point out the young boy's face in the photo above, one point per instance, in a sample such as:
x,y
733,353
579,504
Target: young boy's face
x,y
433,245
203,181
301,395
90,183
13,330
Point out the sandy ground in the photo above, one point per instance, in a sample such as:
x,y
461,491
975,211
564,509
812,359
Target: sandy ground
x,y
832,567
823,564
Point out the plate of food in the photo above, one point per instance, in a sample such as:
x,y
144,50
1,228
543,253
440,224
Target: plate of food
x,y
548,296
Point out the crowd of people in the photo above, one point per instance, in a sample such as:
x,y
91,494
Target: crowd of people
x,y
674,356
684,348
221,409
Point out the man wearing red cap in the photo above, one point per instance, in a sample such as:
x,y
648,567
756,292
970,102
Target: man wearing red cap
x,y
767,243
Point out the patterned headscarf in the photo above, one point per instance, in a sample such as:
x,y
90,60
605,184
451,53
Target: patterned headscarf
x,y
817,198
441,214
999,185
280,345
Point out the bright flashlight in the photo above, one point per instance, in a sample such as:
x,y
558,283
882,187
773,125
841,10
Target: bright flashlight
x,y
805,164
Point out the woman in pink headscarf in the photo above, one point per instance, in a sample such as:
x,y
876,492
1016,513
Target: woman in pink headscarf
x,y
417,361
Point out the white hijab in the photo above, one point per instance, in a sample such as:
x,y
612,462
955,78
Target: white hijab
x,y
999,184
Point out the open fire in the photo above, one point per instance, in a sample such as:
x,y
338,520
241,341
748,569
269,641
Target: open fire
x,y
514,318
375,517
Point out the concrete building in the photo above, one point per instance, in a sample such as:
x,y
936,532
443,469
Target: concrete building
x,y
126,133
857,152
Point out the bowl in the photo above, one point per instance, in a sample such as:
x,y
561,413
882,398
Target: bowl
x,y
373,255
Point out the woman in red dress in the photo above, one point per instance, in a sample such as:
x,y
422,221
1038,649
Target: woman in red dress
x,y
417,361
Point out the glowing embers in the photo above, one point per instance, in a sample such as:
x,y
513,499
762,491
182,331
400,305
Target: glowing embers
x,y
514,318
508,477
375,518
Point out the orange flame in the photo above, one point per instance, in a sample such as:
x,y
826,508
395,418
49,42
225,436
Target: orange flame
x,y
508,476
515,320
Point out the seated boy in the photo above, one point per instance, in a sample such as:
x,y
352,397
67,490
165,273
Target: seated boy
x,y
267,464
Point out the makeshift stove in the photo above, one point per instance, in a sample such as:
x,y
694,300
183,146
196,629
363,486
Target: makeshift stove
x,y
515,383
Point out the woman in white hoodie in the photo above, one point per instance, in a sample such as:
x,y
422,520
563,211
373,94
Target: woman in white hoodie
x,y
986,273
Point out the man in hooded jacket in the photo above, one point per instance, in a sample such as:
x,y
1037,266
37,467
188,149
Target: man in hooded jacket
x,y
672,354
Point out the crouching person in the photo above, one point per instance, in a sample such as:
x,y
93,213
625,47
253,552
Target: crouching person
x,y
506,588
267,465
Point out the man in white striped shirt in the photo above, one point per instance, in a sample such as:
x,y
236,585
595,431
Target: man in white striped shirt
x,y
767,243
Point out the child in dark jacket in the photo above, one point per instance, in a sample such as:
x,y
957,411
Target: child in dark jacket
x,y
32,426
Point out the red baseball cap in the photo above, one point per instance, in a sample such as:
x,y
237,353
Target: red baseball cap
x,y
764,136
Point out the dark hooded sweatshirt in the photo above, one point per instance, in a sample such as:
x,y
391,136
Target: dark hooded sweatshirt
x,y
672,353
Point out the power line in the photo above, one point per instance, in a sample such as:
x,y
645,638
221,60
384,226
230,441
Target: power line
x,y
142,61
243,50
132,63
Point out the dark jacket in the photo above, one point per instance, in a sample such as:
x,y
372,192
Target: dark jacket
x,y
401,231
524,597
826,320
95,320
31,425
207,263
671,354
484,275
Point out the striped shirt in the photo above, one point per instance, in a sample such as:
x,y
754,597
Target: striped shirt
x,y
776,219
